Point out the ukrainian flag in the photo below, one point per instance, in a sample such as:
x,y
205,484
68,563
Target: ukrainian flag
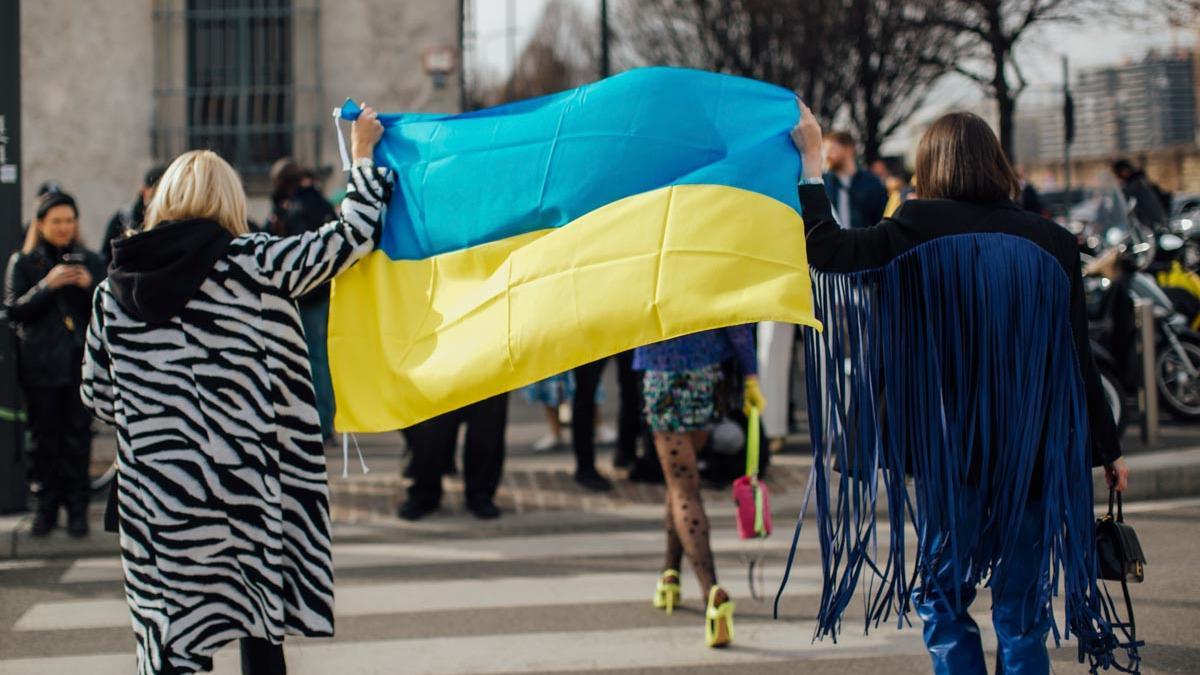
x,y
530,238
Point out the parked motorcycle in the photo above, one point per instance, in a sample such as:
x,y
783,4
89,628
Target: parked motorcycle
x,y
1135,251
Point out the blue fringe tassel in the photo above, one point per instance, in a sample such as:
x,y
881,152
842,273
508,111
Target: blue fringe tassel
x,y
954,364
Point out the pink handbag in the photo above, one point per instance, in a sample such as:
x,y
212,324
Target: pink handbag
x,y
749,494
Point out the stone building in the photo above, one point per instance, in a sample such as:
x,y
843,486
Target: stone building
x,y
109,89
1147,110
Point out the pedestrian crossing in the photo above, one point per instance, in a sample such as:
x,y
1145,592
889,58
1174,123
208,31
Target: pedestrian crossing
x,y
351,556
568,602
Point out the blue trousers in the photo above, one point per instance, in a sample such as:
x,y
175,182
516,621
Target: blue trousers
x,y
1021,626
314,316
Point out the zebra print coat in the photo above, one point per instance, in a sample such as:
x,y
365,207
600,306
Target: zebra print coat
x,y
222,502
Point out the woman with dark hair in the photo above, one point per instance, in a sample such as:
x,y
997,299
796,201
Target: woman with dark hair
x,y
955,351
47,292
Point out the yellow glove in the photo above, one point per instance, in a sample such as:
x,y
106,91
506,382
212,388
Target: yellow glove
x,y
753,396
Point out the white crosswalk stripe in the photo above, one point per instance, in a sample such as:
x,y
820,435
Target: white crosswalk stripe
x,y
554,573
427,596
579,545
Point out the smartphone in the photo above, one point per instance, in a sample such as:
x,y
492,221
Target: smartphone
x,y
74,259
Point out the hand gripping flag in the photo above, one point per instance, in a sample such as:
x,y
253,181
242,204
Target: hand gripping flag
x,y
527,239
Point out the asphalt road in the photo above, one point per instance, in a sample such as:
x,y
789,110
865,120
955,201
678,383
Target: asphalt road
x,y
453,598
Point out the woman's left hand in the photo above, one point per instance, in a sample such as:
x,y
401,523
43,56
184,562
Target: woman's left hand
x,y
753,396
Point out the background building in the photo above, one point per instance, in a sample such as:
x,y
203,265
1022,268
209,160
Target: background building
x,y
109,89
1145,110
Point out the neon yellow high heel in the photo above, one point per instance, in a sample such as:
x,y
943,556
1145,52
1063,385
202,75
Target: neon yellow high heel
x,y
718,624
666,594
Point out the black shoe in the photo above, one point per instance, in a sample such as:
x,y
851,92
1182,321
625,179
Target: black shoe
x,y
77,526
623,461
484,509
414,510
44,523
591,480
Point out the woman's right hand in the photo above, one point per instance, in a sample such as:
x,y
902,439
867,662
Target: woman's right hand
x,y
365,134
806,136
1117,474
62,275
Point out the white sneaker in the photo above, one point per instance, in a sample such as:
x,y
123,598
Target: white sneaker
x,y
548,443
605,435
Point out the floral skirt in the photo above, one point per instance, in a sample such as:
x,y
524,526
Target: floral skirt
x,y
679,401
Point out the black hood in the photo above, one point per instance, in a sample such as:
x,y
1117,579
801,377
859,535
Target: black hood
x,y
153,274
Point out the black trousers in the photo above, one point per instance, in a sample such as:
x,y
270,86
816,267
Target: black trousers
x,y
62,447
432,445
583,410
259,657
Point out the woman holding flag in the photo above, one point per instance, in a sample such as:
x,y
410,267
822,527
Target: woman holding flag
x,y
196,354
955,351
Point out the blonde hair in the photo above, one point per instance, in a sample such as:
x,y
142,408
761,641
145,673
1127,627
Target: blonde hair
x,y
199,184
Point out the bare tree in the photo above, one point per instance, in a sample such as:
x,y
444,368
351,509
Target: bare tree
x,y
561,54
988,32
861,61
795,44
894,66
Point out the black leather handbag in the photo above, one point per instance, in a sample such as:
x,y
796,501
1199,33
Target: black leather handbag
x,y
1120,558
1118,551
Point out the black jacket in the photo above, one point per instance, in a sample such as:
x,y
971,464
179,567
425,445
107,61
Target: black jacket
x,y
50,324
834,249
128,220
868,197
1148,207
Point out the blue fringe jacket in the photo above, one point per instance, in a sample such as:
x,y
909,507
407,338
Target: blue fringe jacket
x,y
955,352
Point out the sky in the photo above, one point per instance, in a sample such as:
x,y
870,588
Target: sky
x,y
1096,43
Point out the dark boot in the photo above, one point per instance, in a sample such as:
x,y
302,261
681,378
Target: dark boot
x,y
45,519
77,523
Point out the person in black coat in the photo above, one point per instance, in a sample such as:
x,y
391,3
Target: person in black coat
x,y
47,292
1150,207
128,219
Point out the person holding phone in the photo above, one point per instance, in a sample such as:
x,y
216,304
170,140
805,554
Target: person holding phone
x,y
47,292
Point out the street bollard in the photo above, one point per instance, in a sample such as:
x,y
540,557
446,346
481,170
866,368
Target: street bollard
x,y
1148,397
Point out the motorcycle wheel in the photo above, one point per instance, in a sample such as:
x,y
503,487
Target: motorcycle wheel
x,y
1115,398
1177,391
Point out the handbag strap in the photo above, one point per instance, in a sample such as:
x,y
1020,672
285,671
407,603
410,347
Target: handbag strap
x,y
752,443
1129,608
1113,494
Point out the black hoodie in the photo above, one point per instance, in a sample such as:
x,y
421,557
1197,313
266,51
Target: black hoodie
x,y
155,273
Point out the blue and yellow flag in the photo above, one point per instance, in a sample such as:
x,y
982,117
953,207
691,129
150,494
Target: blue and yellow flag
x,y
530,238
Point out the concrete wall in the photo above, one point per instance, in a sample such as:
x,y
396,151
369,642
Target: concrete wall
x,y
86,94
87,87
371,51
